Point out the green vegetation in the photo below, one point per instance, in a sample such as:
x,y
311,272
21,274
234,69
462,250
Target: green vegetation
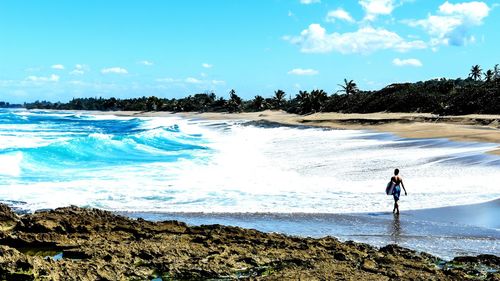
x,y
349,87
479,93
8,105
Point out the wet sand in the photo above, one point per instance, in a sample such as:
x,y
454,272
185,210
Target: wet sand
x,y
445,232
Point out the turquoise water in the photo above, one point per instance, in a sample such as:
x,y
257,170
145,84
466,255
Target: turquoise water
x,y
68,141
57,151
172,164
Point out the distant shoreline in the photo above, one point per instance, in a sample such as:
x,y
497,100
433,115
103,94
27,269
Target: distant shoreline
x,y
468,128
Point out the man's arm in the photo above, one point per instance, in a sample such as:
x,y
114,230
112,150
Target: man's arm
x,y
403,187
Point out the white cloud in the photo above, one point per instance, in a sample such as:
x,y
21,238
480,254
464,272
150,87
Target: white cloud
x,y
290,13
340,14
365,40
57,66
115,70
78,70
192,80
146,62
51,78
206,65
307,2
167,80
473,11
452,24
373,8
76,82
6,83
33,69
407,62
303,72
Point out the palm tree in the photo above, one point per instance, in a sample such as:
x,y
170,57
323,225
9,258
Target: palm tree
x,y
318,99
475,72
304,100
279,98
258,102
234,102
152,103
489,75
349,87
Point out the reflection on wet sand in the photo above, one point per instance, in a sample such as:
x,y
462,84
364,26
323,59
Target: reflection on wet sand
x,y
445,232
395,229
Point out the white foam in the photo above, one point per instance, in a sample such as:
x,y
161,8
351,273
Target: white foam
x,y
251,169
291,170
10,164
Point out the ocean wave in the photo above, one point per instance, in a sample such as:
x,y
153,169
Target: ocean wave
x,y
68,144
170,164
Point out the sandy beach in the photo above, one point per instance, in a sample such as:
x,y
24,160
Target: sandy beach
x,y
470,128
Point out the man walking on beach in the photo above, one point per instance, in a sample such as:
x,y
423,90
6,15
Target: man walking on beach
x,y
397,180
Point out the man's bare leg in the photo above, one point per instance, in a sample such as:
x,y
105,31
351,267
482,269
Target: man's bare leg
x,y
396,207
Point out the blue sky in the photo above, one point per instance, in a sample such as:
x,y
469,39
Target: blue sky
x,y
57,50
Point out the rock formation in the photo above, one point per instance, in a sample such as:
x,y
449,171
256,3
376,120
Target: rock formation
x,y
90,244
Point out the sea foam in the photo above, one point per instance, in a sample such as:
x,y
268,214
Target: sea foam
x,y
171,164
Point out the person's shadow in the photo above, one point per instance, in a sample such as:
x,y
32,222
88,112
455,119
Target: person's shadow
x,y
395,229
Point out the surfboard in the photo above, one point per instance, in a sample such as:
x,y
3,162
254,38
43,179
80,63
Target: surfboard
x,y
389,188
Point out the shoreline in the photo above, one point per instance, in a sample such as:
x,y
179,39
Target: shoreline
x,y
462,128
97,244
467,216
446,232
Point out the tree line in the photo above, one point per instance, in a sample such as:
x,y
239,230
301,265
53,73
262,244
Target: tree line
x,y
478,93
4,104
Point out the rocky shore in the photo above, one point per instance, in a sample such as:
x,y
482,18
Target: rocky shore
x,y
90,244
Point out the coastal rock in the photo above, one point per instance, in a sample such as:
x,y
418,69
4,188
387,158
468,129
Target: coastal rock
x,y
369,265
91,244
8,219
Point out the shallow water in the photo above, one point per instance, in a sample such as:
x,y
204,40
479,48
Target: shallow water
x,y
411,229
170,164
